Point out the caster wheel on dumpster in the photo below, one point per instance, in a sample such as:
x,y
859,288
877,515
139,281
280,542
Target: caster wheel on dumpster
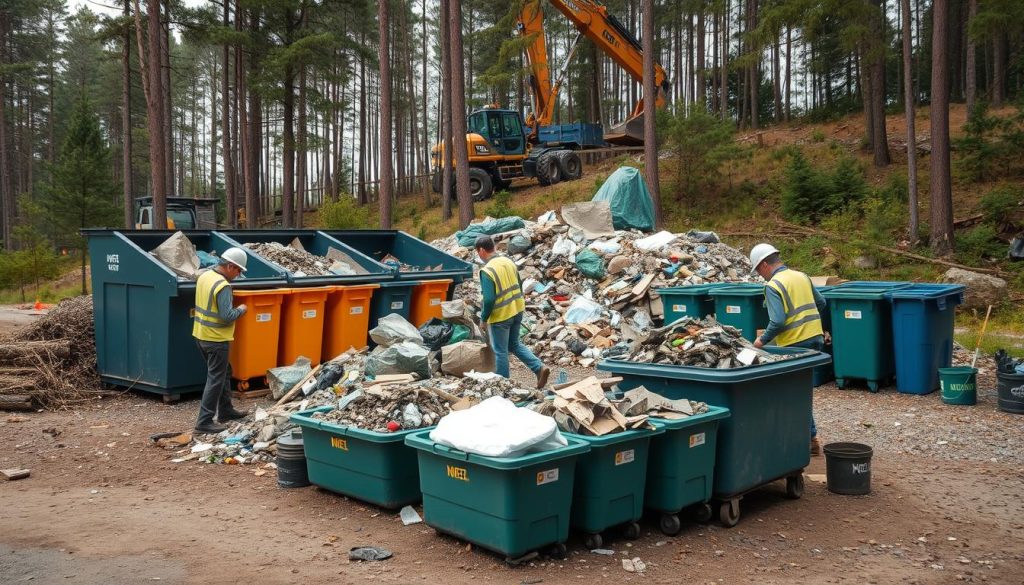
x,y
632,531
171,398
592,541
558,551
873,385
729,513
840,383
520,560
669,524
703,513
795,486
243,385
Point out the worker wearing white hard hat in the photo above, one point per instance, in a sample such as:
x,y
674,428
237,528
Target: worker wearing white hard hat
x,y
794,309
214,329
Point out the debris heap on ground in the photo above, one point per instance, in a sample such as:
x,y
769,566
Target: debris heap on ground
x,y
389,408
585,296
51,362
300,262
394,262
704,343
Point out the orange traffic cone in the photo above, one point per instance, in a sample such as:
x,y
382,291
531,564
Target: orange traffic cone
x,y
38,306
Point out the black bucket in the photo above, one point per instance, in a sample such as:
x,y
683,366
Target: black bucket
x,y
1011,392
848,468
291,461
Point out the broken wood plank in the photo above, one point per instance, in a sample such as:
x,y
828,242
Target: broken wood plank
x,y
15,402
641,287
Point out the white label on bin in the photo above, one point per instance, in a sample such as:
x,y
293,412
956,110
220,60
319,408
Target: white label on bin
x,y
549,476
309,314
397,305
679,308
623,457
733,309
852,315
113,262
435,302
356,311
263,317
860,468
697,439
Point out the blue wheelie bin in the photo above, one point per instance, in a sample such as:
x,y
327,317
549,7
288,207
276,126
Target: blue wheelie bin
x,y
922,331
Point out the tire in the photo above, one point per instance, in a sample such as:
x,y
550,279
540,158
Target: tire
x,y
548,171
570,164
669,524
480,184
592,541
703,513
632,531
729,513
795,486
558,551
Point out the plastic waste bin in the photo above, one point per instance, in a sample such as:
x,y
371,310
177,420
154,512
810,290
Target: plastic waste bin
x,y
346,319
257,333
768,433
688,301
302,324
862,344
610,479
373,467
922,331
422,260
511,505
426,301
392,297
741,306
142,310
681,468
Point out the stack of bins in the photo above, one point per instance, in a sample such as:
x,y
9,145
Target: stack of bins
x,y
767,434
143,311
373,467
741,306
922,331
512,506
688,301
862,332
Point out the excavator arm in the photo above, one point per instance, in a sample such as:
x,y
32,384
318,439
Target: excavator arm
x,y
592,20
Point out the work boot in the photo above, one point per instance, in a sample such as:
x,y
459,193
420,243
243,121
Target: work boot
x,y
815,446
210,428
232,414
542,376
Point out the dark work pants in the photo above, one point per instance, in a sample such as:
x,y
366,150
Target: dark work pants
x,y
217,393
817,343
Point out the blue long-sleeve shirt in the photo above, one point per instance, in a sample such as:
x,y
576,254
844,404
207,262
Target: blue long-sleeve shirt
x,y
225,308
487,291
776,311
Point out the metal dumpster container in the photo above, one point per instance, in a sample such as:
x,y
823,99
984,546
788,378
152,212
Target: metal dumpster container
x,y
143,310
768,434
741,306
427,262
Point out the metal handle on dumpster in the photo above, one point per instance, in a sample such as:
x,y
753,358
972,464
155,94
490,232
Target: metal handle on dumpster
x,y
450,451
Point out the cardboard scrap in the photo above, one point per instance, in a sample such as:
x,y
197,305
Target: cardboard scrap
x,y
641,401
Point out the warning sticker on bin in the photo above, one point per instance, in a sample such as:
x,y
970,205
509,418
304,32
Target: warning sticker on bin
x,y
397,305
696,440
263,317
852,314
435,302
679,308
355,311
733,309
623,457
549,476
309,314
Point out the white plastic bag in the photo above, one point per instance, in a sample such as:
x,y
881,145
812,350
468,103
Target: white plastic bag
x,y
606,248
583,310
564,247
393,328
658,240
497,428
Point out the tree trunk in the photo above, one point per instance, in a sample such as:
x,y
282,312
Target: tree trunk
x,y
702,90
425,147
908,99
446,115
166,104
879,137
789,70
650,141
941,190
971,73
229,167
998,71
364,152
126,118
458,93
714,61
755,67
385,185
777,81
288,150
300,171
155,115
724,86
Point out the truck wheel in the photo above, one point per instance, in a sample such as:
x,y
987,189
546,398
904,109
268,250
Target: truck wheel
x,y
570,165
480,185
548,171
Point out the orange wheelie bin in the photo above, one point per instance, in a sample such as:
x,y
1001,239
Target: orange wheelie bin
x,y
426,300
254,350
302,324
346,319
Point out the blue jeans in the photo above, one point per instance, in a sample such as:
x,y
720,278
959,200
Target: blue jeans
x,y
816,343
505,339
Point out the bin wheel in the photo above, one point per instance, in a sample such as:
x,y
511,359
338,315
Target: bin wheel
x,y
669,524
873,385
558,551
703,513
515,562
632,531
795,486
592,541
171,398
243,385
729,513
840,383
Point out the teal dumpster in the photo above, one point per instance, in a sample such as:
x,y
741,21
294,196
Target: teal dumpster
x,y
142,311
688,301
768,433
922,331
320,244
610,480
511,506
681,467
741,306
373,467
861,321
423,261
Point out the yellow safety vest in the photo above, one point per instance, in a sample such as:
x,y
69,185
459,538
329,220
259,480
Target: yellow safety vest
x,y
508,296
802,319
207,324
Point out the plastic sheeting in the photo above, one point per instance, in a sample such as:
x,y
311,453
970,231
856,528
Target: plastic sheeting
x,y
393,328
497,428
468,236
630,201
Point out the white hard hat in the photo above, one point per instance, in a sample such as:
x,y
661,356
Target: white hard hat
x,y
758,253
236,256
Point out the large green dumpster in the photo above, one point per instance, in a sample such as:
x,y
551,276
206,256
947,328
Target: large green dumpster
x,y
680,471
741,306
373,467
768,434
142,309
423,261
688,301
508,505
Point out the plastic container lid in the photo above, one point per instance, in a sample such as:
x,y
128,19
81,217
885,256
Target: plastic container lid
x,y
927,291
613,438
670,424
421,440
745,289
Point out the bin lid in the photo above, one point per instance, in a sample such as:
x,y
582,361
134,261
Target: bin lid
x,y
614,438
863,291
671,424
421,440
745,289
926,291
692,289
806,358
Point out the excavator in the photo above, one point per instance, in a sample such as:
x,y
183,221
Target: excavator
x,y
503,146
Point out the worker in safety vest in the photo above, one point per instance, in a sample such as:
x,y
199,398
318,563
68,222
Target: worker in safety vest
x,y
794,310
214,328
502,310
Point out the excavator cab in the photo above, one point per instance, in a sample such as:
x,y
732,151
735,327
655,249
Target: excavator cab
x,y
502,129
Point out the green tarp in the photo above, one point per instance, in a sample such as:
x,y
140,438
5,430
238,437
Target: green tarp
x,y
627,195
468,236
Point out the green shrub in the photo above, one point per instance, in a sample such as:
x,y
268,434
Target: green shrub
x,y
978,244
345,213
884,219
998,205
501,205
978,150
701,144
599,182
894,189
818,135
849,187
806,193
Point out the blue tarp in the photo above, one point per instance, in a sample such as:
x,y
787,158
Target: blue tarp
x,y
630,201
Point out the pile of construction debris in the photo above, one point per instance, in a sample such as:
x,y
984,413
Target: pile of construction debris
x,y
51,363
392,261
589,289
297,260
703,343
388,409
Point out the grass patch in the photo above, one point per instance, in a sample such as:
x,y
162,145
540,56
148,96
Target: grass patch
x,y
46,293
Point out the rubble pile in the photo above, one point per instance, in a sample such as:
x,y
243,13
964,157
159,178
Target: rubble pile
x,y
393,261
483,386
385,409
703,343
300,262
585,296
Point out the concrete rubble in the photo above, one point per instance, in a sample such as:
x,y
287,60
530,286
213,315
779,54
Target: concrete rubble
x,y
703,343
295,259
587,296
